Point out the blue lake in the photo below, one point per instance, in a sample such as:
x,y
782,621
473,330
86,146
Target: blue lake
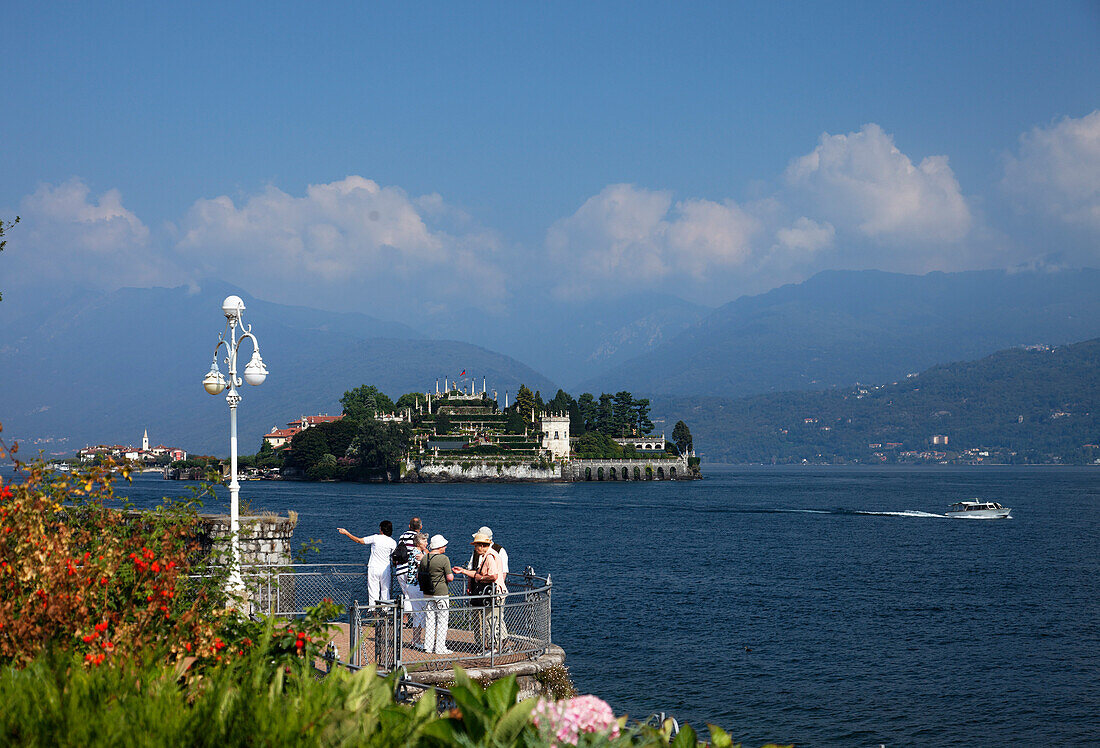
x,y
819,606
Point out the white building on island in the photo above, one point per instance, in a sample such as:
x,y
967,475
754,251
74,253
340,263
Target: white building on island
x,y
555,435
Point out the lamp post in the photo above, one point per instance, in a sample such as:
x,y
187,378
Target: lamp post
x,y
254,373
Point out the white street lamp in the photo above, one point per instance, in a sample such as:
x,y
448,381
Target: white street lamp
x,y
254,373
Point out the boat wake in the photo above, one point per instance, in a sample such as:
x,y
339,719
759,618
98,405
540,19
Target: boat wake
x,y
906,513
835,512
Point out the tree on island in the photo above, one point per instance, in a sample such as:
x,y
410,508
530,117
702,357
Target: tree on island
x,y
380,446
308,447
365,401
515,423
442,423
525,402
681,437
409,400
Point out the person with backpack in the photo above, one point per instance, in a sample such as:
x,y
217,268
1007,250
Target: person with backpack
x,y
433,574
415,596
402,558
382,546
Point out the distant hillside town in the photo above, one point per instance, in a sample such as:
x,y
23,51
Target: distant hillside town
x,y
463,431
153,456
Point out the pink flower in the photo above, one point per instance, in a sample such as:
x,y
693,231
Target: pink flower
x,y
566,721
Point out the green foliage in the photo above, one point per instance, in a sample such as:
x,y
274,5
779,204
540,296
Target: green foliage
x,y
516,424
557,682
267,457
595,445
365,400
482,717
442,423
380,446
681,437
253,700
525,402
308,447
324,469
409,400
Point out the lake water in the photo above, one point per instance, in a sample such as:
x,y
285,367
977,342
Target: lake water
x,y
820,606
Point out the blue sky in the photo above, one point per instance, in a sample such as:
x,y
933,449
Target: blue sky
x,y
381,158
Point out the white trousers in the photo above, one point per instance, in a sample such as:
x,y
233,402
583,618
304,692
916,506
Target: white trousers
x,y
406,592
378,585
437,616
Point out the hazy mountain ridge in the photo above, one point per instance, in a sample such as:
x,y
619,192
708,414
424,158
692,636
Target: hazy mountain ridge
x,y
104,370
1037,403
841,327
571,340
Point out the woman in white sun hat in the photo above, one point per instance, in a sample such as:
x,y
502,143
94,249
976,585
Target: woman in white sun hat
x,y
433,574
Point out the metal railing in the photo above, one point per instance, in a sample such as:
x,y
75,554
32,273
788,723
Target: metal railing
x,y
291,589
474,630
477,630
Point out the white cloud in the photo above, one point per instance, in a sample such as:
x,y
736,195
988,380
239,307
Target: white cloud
x,y
855,201
806,236
634,235
1057,172
861,183
344,239
66,233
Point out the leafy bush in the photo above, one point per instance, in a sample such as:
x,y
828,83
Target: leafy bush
x,y
81,578
77,575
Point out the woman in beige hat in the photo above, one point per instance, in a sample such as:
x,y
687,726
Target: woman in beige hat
x,y
486,577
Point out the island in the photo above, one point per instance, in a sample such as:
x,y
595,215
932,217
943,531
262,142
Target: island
x,y
461,433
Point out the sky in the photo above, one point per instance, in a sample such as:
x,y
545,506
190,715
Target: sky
x,y
402,159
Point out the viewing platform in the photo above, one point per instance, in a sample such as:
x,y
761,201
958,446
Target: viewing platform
x,y
389,639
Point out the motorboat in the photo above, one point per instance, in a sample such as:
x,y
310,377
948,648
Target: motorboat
x,y
978,509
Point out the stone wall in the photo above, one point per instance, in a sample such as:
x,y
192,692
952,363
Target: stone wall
x,y
579,470
527,673
478,471
265,539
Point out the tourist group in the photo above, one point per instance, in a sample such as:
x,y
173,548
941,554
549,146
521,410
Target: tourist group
x,y
424,572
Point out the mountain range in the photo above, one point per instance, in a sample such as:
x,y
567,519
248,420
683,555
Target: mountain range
x,y
841,327
1037,404
103,369
93,368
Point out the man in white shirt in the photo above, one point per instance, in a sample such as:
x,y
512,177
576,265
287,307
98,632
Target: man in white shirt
x,y
378,568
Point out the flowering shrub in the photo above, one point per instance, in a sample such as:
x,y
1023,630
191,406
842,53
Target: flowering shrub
x,y
563,722
81,576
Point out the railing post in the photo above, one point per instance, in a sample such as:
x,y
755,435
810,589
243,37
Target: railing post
x,y
398,645
549,610
353,632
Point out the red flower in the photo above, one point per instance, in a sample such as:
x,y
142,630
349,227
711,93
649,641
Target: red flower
x,y
89,638
101,626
